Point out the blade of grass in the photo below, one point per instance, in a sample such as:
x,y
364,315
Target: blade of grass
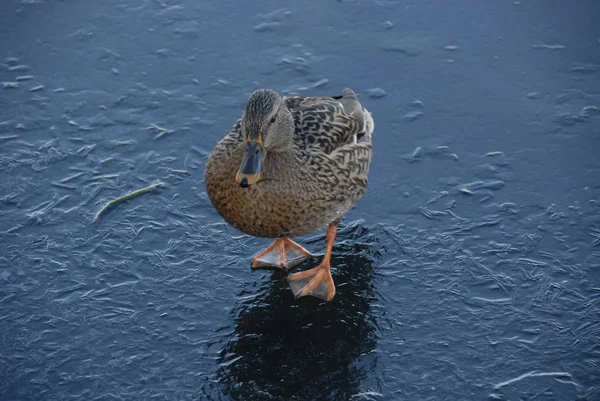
x,y
126,197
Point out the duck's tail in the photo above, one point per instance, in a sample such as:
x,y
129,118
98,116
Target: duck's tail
x,y
353,107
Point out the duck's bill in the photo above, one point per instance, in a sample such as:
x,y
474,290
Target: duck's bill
x,y
249,172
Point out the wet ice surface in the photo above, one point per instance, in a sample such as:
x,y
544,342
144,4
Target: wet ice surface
x,y
470,269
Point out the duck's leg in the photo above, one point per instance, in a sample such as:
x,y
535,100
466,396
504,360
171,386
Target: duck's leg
x,y
317,281
283,253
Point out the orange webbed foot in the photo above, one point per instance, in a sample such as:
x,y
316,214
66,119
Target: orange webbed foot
x,y
283,253
317,281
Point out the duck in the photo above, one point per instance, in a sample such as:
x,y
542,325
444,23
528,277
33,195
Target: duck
x,y
291,166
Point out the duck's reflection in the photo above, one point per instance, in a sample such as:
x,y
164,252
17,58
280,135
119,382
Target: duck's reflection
x,y
284,349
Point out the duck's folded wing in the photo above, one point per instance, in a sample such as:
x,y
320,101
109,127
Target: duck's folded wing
x,y
326,124
230,142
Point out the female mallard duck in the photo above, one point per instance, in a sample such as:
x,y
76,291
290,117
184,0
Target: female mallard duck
x,y
290,166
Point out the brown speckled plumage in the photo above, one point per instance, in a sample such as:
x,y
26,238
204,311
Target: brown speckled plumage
x,y
312,182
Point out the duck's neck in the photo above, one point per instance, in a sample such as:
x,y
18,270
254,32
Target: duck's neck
x,y
282,149
285,144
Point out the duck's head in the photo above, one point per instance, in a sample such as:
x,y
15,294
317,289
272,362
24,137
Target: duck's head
x,y
267,126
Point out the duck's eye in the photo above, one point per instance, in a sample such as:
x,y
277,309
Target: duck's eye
x,y
272,120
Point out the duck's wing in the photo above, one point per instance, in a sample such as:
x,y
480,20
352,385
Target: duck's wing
x,y
230,142
327,124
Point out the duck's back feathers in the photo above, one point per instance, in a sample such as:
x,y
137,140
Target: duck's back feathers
x,y
325,124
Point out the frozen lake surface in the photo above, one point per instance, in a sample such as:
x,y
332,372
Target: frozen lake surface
x,y
469,271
